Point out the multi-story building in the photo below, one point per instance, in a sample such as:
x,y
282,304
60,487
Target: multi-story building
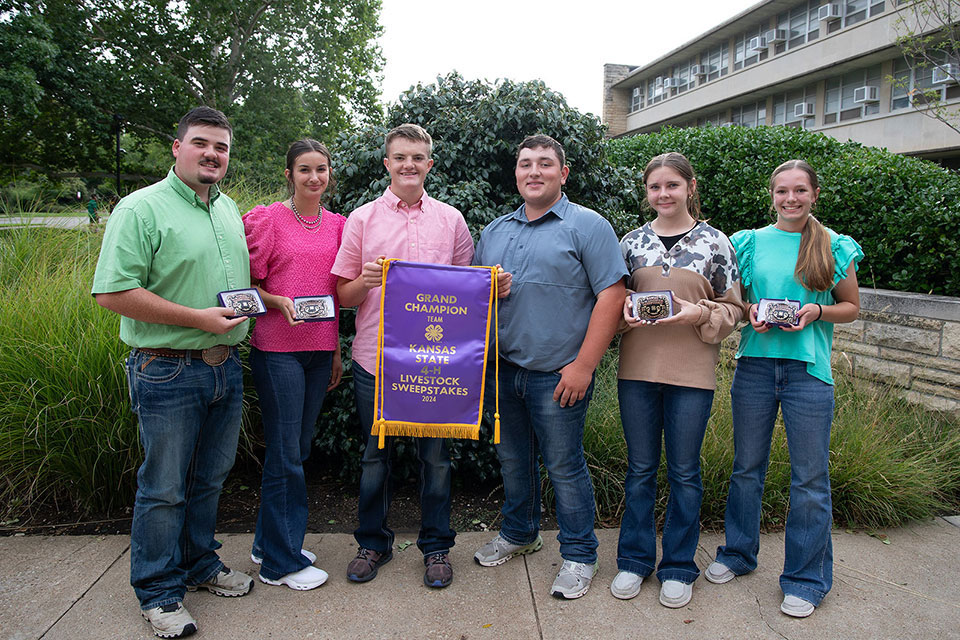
x,y
832,67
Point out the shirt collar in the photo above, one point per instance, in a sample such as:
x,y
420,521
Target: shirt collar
x,y
189,194
393,200
559,209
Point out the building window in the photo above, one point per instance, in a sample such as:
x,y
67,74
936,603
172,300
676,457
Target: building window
x,y
844,102
656,90
744,55
917,82
636,99
796,108
714,120
716,62
750,115
682,78
801,24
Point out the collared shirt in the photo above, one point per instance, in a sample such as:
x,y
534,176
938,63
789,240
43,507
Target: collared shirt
x,y
428,231
559,262
165,239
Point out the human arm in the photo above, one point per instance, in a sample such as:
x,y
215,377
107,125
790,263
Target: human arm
x,y
352,292
336,372
575,377
846,308
281,303
146,306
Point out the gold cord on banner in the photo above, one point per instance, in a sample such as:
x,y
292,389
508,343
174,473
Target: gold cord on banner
x,y
382,427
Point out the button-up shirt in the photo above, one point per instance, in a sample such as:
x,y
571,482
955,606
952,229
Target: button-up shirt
x,y
165,239
559,262
428,231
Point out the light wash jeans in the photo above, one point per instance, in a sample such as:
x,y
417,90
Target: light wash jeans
x,y
760,387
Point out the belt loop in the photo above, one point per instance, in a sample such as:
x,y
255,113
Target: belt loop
x,y
186,357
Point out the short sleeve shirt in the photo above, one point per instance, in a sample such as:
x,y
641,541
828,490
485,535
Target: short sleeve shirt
x,y
428,231
559,262
165,239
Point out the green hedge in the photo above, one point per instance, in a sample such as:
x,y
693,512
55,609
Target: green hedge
x,y
904,212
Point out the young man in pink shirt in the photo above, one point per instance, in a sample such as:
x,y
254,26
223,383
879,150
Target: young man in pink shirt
x,y
407,224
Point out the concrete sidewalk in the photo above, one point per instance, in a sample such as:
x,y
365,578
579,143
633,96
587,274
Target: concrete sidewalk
x,y
77,587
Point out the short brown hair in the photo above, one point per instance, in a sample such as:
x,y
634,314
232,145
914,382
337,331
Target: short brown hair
x,y
203,116
411,132
539,140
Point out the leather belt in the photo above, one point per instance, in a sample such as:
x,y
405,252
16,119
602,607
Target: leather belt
x,y
214,356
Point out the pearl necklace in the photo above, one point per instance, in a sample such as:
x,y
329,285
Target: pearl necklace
x,y
309,225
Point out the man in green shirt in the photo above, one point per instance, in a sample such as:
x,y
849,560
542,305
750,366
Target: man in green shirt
x,y
167,251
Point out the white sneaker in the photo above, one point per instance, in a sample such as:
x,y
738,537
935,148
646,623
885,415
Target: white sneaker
x,y
309,555
573,580
626,585
170,620
719,573
796,607
675,594
303,580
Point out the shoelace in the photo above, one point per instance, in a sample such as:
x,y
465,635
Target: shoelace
x,y
437,558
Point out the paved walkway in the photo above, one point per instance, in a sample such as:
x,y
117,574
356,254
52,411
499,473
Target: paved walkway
x,y
76,587
62,222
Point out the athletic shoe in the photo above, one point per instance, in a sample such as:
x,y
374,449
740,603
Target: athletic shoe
x,y
309,555
573,579
675,594
303,580
626,585
363,568
796,607
439,572
227,583
719,573
498,551
170,620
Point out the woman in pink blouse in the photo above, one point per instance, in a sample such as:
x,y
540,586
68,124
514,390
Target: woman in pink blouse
x,y
295,354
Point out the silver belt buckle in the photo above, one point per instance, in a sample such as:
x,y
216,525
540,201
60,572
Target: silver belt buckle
x,y
216,356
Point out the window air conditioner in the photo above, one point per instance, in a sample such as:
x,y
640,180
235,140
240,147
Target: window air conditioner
x,y
671,82
775,36
866,95
803,110
946,74
829,12
757,44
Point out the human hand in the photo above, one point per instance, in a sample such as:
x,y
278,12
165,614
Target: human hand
x,y
807,315
285,305
504,280
372,273
336,373
573,385
218,320
758,325
689,313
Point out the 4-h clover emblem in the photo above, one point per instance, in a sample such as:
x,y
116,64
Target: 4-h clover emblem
x,y
434,333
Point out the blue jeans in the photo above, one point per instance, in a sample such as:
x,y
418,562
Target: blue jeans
x,y
530,420
651,412
375,491
760,385
189,414
290,387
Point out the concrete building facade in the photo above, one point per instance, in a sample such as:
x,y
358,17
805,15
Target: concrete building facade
x,y
832,67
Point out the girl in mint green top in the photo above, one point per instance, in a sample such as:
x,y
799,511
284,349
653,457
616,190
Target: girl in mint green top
x,y
787,369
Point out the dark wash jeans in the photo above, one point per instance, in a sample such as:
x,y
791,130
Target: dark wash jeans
x,y
189,419
291,387
375,493
531,422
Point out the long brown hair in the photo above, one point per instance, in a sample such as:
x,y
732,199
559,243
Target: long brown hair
x,y
815,263
306,145
679,163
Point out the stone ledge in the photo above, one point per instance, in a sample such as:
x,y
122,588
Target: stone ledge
x,y
910,304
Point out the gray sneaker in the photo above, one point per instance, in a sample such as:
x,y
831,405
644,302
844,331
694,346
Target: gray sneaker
x,y
227,583
498,551
170,620
573,580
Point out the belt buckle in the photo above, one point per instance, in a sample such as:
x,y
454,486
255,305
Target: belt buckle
x,y
216,355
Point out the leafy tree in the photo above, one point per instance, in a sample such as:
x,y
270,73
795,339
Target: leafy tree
x,y
280,70
476,127
928,34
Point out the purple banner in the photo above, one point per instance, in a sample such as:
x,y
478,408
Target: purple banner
x,y
435,321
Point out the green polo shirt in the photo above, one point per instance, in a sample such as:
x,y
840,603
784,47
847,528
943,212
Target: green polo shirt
x,y
165,239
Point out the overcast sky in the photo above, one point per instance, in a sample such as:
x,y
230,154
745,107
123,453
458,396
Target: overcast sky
x,y
563,43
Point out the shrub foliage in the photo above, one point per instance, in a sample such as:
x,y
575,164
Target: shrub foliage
x,y
904,212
